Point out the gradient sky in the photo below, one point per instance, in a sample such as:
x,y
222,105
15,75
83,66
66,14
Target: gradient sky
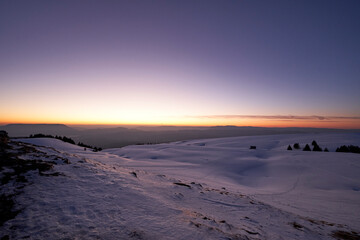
x,y
260,63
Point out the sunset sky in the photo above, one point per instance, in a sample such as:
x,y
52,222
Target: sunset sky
x,y
246,63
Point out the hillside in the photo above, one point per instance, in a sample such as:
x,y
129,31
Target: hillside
x,y
24,130
201,189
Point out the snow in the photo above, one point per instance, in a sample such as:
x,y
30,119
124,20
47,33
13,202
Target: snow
x,y
313,184
53,143
199,189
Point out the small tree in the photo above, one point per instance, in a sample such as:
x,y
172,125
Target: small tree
x,y
317,148
289,148
314,143
296,146
326,150
307,148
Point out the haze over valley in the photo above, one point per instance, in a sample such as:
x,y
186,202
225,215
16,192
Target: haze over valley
x,y
122,136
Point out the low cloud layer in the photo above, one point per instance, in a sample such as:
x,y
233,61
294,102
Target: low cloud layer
x,y
280,117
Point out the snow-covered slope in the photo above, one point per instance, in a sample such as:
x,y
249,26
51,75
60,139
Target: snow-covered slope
x,y
324,185
53,143
201,189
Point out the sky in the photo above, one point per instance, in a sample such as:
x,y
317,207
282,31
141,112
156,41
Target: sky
x,y
245,63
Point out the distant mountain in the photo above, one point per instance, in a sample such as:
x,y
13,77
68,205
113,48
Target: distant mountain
x,y
168,128
120,136
24,130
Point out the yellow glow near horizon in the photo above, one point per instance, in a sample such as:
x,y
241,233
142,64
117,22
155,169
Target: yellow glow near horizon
x,y
110,106
134,68
157,120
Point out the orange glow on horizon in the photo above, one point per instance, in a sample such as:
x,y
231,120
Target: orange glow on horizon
x,y
198,122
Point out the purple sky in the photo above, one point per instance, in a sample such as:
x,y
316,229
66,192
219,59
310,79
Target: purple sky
x,y
178,61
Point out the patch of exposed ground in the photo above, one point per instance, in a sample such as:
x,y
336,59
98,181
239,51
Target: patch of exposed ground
x,y
13,175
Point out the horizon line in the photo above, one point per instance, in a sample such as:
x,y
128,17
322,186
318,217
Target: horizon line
x,y
168,125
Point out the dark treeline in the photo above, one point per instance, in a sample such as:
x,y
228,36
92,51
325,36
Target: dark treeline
x,y
317,148
350,148
95,149
65,139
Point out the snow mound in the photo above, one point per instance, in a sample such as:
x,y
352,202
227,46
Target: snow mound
x,y
51,142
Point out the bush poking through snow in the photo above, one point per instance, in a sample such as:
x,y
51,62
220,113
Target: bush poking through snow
x,y
134,174
289,148
252,147
346,235
182,184
296,146
297,225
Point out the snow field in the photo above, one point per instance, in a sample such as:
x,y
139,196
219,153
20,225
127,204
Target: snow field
x,y
201,189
